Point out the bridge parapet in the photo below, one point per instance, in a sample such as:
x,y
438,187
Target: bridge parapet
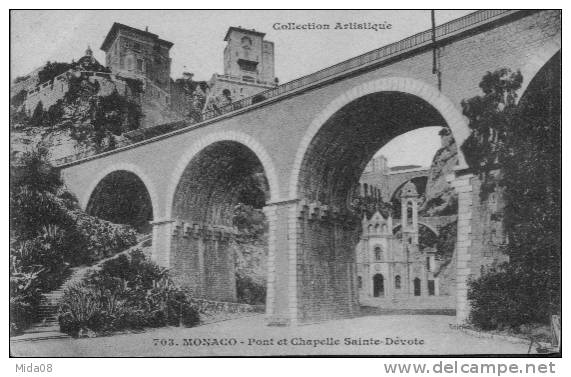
x,y
371,58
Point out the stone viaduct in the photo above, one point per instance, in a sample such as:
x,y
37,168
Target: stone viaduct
x,y
312,138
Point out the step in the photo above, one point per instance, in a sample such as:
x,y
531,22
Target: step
x,y
36,330
50,301
44,325
48,323
48,316
53,309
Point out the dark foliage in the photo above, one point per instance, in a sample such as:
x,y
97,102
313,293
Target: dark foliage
x,y
490,118
49,234
250,221
189,97
507,298
524,141
249,291
113,115
24,292
37,118
18,99
51,70
368,206
128,292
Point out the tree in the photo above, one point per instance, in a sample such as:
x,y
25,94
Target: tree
x,y
113,115
51,70
37,119
523,141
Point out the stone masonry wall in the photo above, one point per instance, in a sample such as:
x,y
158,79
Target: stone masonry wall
x,y
326,267
488,234
202,262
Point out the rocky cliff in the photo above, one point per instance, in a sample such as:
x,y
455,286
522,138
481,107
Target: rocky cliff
x,y
440,198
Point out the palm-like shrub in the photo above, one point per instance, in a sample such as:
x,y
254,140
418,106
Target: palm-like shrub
x,y
24,291
128,292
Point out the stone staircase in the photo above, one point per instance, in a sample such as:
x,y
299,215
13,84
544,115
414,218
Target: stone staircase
x,y
47,326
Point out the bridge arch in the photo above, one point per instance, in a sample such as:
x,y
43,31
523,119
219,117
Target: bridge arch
x,y
333,153
451,114
122,193
219,176
230,136
536,62
420,181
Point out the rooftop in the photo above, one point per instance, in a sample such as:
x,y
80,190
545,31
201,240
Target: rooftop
x,y
237,28
118,26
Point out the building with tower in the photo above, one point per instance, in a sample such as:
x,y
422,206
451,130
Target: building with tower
x,y
392,261
139,54
248,68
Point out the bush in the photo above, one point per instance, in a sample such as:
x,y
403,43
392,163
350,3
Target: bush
x,y
96,239
508,298
128,292
24,300
249,291
68,324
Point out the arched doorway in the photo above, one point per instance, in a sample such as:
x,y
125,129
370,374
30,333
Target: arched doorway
x,y
378,285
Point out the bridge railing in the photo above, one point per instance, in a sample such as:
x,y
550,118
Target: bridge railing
x,y
377,55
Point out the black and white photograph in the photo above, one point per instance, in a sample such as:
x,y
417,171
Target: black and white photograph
x,y
210,183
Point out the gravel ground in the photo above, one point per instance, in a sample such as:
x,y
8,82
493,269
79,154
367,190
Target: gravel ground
x,y
422,335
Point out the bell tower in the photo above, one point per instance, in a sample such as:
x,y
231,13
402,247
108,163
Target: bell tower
x,y
248,56
409,214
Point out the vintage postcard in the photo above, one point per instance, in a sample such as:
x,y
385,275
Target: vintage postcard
x,y
192,183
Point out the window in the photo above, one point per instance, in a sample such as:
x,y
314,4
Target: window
x,y
246,42
137,46
397,282
360,282
417,287
431,287
140,65
129,63
378,253
409,214
378,285
248,65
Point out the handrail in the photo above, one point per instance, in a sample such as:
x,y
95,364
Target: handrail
x,y
374,56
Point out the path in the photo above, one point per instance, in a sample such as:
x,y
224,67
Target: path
x,y
431,333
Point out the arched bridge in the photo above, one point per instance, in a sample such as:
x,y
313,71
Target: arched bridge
x,y
311,140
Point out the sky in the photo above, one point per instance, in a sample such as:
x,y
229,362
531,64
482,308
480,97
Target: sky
x,y
41,36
